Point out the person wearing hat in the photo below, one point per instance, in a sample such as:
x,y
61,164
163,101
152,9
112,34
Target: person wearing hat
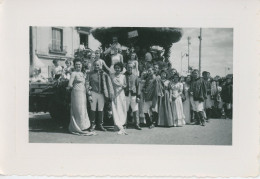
x,y
198,91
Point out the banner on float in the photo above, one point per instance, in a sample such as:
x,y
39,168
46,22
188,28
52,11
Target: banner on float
x,y
132,34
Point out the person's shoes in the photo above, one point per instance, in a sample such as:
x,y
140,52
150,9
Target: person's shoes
x,y
102,128
138,127
197,123
151,126
142,125
122,132
203,124
92,128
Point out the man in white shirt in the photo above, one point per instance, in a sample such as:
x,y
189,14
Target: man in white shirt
x,y
115,45
57,70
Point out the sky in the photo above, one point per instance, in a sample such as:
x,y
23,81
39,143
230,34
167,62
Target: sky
x,y
216,51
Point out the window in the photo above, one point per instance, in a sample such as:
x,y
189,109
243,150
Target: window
x,y
57,41
83,39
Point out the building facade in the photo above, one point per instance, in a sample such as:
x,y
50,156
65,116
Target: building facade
x,y
49,43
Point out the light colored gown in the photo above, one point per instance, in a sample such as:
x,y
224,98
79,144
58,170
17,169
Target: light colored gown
x,y
78,113
115,59
187,104
177,107
119,102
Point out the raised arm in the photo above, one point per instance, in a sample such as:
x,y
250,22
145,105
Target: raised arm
x,y
105,65
137,67
124,81
181,89
121,58
72,78
107,51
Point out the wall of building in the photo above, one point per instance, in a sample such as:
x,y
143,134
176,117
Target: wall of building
x,y
42,40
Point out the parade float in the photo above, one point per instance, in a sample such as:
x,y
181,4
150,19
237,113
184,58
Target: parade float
x,y
140,38
51,96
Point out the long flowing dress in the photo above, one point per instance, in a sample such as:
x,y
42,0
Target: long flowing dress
x,y
177,108
187,104
78,113
119,102
165,111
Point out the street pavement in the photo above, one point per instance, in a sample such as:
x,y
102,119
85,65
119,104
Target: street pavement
x,y
42,129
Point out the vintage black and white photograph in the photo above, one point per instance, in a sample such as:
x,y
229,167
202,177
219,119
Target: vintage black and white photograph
x,y
131,85
130,89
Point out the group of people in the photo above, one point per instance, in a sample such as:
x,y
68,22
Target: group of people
x,y
154,96
144,92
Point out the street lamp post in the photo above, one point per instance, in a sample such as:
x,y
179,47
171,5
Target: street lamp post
x,y
182,55
200,38
189,54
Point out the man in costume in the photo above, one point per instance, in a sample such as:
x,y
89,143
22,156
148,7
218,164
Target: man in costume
x,y
198,91
101,88
151,91
132,93
208,101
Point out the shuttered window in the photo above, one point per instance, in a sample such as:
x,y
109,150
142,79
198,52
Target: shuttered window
x,y
57,44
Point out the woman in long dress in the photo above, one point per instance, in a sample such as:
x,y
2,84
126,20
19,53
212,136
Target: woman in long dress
x,y
79,121
176,89
119,102
134,60
187,102
165,111
116,58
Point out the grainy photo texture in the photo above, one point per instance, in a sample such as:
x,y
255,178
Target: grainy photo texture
x,y
131,85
